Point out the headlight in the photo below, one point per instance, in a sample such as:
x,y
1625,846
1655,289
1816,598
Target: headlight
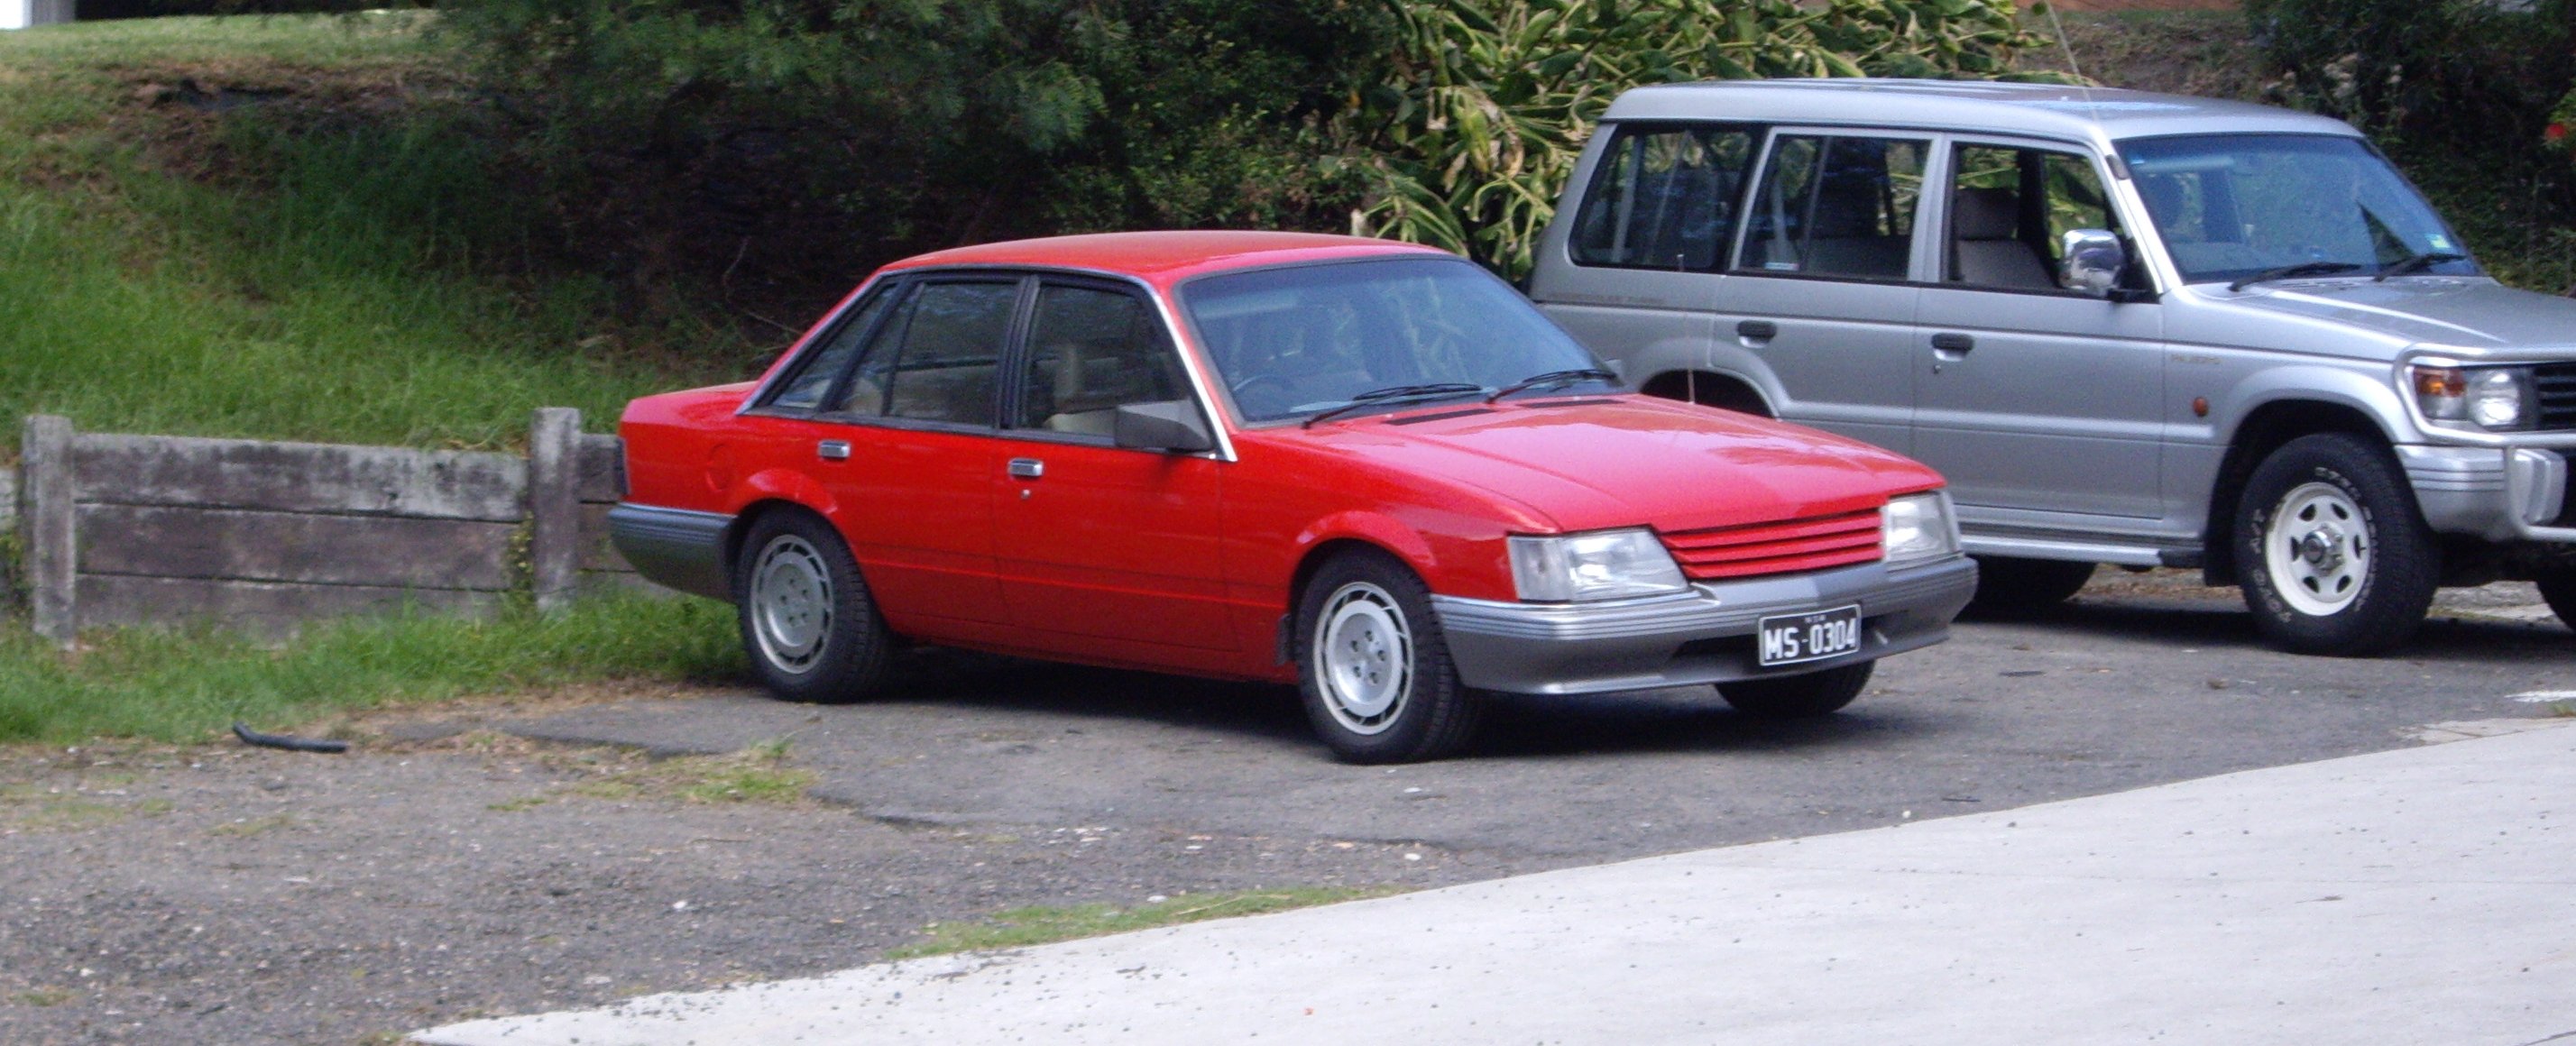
x,y
2496,399
1918,527
1605,565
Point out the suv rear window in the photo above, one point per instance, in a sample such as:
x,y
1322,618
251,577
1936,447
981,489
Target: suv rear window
x,y
1664,198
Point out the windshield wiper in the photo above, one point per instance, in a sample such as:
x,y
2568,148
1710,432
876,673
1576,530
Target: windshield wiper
x,y
2308,268
1400,394
1552,379
2416,264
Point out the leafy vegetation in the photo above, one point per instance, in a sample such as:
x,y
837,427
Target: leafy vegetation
x,y
189,686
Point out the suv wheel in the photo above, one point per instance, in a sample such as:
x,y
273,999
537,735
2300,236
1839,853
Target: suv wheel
x,y
2335,558
2558,589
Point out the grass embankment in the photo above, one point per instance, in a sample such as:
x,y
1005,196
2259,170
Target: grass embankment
x,y
286,228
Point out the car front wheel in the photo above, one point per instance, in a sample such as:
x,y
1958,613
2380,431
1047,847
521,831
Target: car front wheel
x,y
1798,697
2334,557
1374,667
807,621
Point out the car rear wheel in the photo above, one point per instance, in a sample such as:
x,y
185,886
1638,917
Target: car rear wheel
x,y
1798,697
2008,586
807,621
1374,667
2335,558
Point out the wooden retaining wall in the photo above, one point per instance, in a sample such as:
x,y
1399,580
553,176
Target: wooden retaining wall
x,y
150,530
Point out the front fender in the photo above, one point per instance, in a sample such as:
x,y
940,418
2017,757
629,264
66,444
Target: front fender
x,y
2373,398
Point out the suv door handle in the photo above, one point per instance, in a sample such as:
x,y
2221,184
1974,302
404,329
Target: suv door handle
x,y
1027,468
1952,341
1757,330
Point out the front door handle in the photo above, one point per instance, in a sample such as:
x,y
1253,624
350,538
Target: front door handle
x,y
1757,330
833,450
1027,468
1953,342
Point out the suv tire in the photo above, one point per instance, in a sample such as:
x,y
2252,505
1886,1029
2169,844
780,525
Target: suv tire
x,y
2009,586
2334,556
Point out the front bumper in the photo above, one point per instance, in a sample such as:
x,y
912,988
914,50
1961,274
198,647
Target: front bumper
x,y
2500,494
1705,635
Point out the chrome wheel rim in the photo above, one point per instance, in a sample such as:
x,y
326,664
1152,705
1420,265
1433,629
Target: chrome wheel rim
x,y
791,604
1363,658
2317,549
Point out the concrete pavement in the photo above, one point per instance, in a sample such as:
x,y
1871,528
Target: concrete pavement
x,y
2419,896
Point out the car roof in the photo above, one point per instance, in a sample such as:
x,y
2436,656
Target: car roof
x,y
1165,257
2048,110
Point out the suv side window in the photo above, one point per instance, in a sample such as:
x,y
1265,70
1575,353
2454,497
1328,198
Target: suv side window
x,y
937,357
1836,206
1664,198
2010,207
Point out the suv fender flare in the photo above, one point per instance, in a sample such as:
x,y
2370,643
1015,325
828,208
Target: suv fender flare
x,y
2374,400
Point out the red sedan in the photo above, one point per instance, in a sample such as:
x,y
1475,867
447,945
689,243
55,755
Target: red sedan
x,y
1362,467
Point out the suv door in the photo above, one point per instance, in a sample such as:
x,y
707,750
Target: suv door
x,y
1821,285
2042,405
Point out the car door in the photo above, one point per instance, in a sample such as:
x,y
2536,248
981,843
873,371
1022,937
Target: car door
x,y
1821,286
1098,542
2042,405
903,443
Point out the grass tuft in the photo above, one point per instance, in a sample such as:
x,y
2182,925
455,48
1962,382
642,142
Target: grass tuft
x,y
1024,927
190,685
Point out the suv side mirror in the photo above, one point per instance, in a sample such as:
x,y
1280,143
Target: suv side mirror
x,y
2093,260
1168,425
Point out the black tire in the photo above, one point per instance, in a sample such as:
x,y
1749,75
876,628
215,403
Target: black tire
x,y
1798,697
1374,667
2558,589
2334,556
2009,586
812,631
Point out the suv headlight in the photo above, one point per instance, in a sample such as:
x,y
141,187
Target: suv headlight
x,y
2494,399
1606,564
1916,528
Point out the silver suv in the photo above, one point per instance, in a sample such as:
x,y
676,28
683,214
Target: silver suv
x,y
2132,328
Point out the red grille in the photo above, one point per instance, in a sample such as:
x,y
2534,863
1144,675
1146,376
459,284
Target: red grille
x,y
1784,547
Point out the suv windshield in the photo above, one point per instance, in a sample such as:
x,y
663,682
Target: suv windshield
x,y
1304,340
2259,206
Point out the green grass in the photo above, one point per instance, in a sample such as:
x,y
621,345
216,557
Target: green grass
x,y
1023,927
189,686
344,278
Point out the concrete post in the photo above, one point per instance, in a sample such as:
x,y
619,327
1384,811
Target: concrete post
x,y
554,506
49,522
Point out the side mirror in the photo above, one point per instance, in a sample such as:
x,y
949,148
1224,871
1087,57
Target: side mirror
x,y
2093,260
1170,425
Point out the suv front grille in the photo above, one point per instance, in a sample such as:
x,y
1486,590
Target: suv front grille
x,y
1782,547
2557,383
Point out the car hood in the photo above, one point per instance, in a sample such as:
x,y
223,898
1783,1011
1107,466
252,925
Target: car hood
x,y
2469,313
1619,462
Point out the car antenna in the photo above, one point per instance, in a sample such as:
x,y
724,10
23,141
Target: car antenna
x,y
2068,49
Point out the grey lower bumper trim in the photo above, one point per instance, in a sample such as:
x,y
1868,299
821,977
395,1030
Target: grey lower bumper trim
x,y
2500,494
1703,636
676,547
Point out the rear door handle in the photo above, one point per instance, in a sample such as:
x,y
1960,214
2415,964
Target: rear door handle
x,y
1952,341
1027,468
833,450
1757,330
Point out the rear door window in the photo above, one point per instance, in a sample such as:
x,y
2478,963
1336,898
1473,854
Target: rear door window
x,y
937,358
1833,205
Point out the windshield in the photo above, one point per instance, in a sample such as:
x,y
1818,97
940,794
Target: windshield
x,y
2235,206
1299,341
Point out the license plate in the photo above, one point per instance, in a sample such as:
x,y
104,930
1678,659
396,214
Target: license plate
x,y
1788,639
